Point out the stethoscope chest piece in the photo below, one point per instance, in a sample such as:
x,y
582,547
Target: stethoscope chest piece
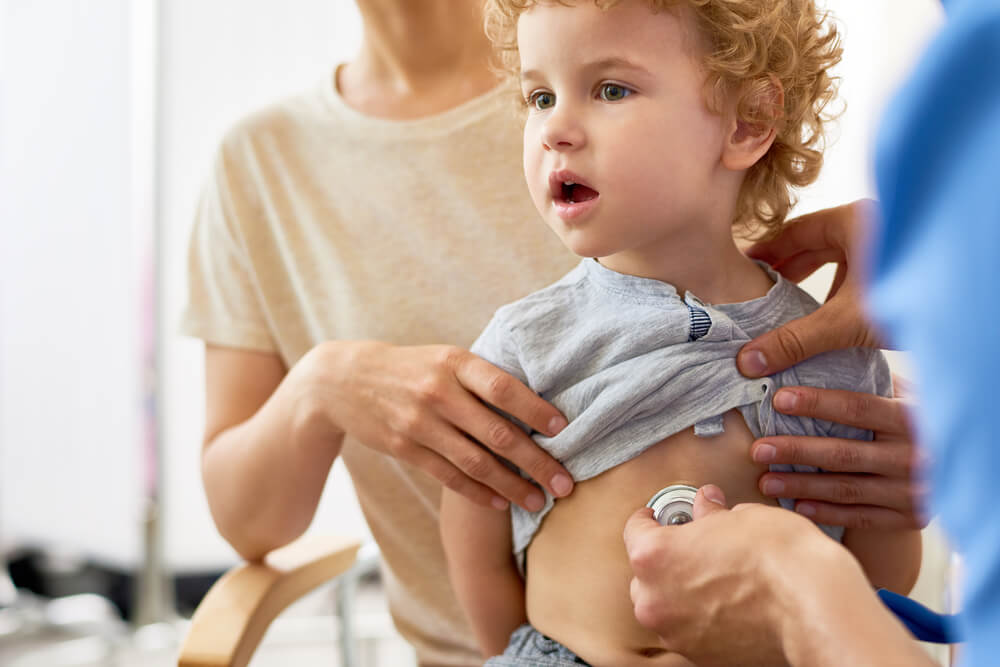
x,y
673,505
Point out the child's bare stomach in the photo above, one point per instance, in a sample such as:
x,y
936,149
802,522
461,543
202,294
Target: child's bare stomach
x,y
578,573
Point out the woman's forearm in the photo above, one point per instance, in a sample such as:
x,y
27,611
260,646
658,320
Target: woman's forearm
x,y
263,477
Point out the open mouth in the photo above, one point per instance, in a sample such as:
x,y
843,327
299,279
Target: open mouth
x,y
566,187
577,192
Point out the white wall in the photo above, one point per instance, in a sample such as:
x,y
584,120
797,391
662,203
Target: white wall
x,y
68,336
69,410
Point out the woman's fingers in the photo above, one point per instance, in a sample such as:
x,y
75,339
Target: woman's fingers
x,y
889,458
859,516
507,393
830,228
867,411
843,489
425,405
471,467
502,436
448,475
838,324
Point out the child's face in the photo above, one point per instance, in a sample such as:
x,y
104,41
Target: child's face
x,y
617,105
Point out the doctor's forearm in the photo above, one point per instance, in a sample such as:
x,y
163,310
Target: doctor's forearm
x,y
837,620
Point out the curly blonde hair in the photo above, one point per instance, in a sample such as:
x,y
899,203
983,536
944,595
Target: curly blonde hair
x,y
752,44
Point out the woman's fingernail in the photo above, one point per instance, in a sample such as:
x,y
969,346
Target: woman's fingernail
x,y
557,424
806,509
786,400
774,487
499,503
534,502
753,362
561,484
764,453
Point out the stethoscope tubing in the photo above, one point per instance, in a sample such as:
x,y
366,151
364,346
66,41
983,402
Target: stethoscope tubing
x,y
923,623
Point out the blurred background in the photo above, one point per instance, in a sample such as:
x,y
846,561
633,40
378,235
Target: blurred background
x,y
110,111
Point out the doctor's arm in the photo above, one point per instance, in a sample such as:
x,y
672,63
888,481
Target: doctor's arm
x,y
758,585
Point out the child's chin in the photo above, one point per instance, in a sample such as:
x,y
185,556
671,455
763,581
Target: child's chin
x,y
583,249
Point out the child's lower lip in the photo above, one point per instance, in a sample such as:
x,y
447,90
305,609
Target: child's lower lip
x,y
572,210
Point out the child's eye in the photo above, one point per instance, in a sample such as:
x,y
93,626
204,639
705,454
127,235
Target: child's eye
x,y
541,99
612,92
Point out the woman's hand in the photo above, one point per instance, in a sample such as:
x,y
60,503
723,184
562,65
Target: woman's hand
x,y
872,486
866,484
807,243
427,406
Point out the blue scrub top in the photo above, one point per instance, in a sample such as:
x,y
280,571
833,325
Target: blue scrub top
x,y
935,287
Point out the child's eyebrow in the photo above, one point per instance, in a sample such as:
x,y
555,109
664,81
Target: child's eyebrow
x,y
615,62
610,62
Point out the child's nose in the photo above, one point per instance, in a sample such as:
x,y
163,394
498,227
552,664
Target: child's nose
x,y
563,131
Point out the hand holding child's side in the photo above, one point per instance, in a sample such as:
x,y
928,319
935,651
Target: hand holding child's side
x,y
871,487
864,486
425,405
806,244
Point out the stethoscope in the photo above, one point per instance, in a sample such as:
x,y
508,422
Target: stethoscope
x,y
674,506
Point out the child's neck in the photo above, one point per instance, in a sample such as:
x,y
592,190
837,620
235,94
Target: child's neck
x,y
714,270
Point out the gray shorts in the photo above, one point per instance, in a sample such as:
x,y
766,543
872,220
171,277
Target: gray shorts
x,y
530,648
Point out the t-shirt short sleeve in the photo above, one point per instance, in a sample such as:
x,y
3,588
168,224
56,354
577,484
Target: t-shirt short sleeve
x,y
497,344
223,298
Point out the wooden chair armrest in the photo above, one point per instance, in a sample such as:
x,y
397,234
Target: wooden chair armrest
x,y
230,621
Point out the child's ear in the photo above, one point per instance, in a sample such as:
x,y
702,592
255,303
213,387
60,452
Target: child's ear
x,y
747,142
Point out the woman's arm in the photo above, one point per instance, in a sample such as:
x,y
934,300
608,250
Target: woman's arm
x,y
263,464
271,436
477,542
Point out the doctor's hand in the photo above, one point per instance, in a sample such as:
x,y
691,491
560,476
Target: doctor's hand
x,y
757,585
427,405
806,244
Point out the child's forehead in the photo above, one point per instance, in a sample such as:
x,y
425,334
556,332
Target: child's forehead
x,y
586,33
609,23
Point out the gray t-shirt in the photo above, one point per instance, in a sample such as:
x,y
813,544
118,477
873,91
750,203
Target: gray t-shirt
x,y
630,362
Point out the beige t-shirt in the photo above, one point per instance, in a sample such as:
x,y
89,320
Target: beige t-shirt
x,y
320,223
